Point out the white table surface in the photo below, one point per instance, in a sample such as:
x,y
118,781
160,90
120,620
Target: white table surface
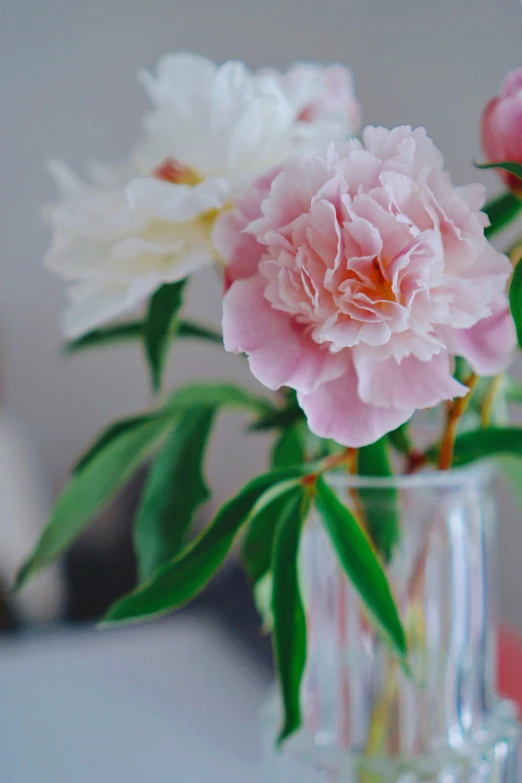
x,y
171,702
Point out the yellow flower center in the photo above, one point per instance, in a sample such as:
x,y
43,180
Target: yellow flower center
x,y
383,285
171,170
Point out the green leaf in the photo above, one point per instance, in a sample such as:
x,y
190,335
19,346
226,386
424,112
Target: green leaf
x,y
132,330
258,543
114,431
515,300
91,488
278,418
182,401
361,564
179,581
482,444
501,211
512,389
462,370
175,488
227,395
381,510
191,330
400,439
289,635
512,469
289,448
160,326
506,165
263,590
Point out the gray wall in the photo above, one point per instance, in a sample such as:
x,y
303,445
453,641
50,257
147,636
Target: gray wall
x,y
67,89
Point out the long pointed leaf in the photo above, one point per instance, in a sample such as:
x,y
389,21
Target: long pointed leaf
x,y
160,325
289,634
181,580
512,470
289,448
114,431
175,488
258,543
506,165
223,394
119,333
381,514
90,489
400,438
278,418
482,444
360,563
512,389
181,402
133,330
192,330
515,300
501,211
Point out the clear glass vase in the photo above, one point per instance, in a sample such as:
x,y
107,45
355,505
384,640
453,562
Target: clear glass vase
x,y
364,719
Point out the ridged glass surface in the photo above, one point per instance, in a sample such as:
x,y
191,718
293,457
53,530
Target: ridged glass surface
x,y
365,720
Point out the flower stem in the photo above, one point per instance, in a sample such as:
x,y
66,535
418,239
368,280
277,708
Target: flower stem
x,y
346,457
489,400
416,460
455,413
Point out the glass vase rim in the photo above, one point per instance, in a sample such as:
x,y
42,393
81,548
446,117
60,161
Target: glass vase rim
x,y
455,478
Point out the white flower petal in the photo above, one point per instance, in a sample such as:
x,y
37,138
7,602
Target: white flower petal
x,y
92,306
164,201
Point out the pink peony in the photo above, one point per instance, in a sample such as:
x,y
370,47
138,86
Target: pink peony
x,y
502,126
356,276
321,93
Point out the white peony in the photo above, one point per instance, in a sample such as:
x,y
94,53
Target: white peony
x,y
212,130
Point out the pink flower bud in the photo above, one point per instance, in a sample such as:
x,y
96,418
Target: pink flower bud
x,y
502,126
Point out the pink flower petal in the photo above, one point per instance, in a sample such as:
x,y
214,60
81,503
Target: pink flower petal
x,y
240,249
501,121
279,350
367,265
408,384
489,346
336,411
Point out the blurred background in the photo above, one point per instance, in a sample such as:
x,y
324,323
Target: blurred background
x,y
68,90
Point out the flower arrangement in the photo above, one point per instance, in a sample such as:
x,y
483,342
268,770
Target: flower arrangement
x,y
359,281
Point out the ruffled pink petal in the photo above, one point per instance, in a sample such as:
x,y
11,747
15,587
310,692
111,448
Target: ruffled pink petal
x,y
291,194
336,411
240,250
489,346
408,384
280,352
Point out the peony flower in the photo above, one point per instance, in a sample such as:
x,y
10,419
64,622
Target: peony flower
x,y
211,132
322,93
116,252
356,276
502,125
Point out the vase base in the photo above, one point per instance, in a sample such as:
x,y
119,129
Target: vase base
x,y
490,755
